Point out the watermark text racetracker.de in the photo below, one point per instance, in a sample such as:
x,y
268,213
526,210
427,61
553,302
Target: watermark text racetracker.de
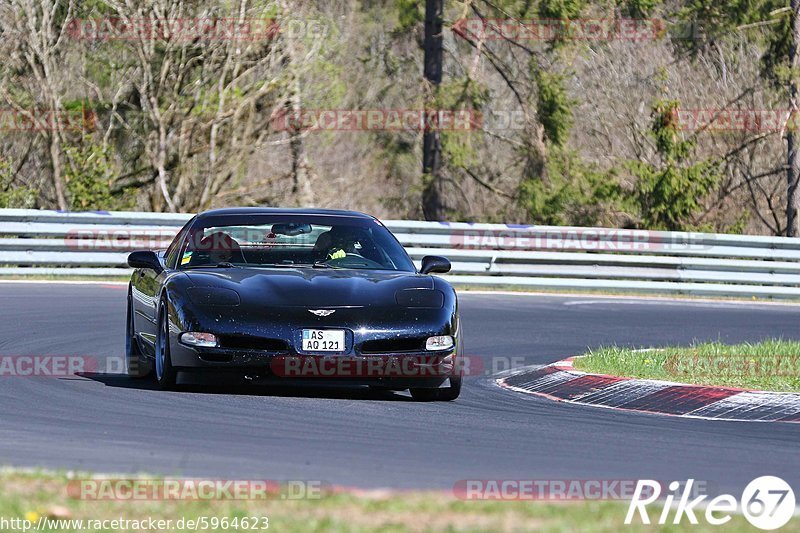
x,y
191,30
553,489
200,523
736,120
403,366
57,366
285,366
40,119
414,120
733,365
113,239
520,238
532,238
195,489
560,29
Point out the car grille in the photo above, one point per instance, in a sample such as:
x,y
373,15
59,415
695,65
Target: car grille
x,y
413,344
246,342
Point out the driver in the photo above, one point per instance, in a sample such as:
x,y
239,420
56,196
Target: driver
x,y
336,244
219,247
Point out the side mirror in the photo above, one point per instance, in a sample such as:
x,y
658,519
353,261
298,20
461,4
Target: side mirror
x,y
434,264
145,259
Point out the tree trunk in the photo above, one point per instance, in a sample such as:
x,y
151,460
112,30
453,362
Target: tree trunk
x,y
163,176
302,192
58,178
433,195
793,151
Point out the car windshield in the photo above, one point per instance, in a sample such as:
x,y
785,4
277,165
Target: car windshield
x,y
292,241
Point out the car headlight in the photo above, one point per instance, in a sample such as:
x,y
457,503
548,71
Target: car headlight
x,y
196,338
440,342
420,298
213,296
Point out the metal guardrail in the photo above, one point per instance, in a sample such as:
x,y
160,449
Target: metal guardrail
x,y
56,243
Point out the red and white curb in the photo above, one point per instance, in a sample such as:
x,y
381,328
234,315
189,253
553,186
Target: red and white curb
x,y
561,382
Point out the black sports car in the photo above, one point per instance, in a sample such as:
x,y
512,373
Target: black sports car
x,y
290,296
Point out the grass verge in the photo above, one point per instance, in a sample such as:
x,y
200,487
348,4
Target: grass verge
x,y
771,365
54,278
31,495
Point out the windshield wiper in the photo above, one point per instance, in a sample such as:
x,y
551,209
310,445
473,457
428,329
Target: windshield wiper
x,y
276,265
318,264
221,264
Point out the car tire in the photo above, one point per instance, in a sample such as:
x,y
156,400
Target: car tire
x,y
447,394
136,363
166,375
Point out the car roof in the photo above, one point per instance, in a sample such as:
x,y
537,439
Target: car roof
x,y
281,211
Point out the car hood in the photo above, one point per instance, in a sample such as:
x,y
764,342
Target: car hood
x,y
307,287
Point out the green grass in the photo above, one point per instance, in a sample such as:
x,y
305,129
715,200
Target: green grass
x,y
43,277
772,365
43,494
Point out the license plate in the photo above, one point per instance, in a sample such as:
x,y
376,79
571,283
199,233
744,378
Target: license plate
x,y
323,340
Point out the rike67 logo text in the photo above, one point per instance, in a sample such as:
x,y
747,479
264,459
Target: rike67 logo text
x,y
767,502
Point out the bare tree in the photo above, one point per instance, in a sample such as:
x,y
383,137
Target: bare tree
x,y
200,96
793,150
38,30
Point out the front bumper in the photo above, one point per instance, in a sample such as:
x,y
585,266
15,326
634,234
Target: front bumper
x,y
396,370
279,356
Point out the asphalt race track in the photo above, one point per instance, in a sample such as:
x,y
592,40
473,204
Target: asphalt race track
x,y
108,423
